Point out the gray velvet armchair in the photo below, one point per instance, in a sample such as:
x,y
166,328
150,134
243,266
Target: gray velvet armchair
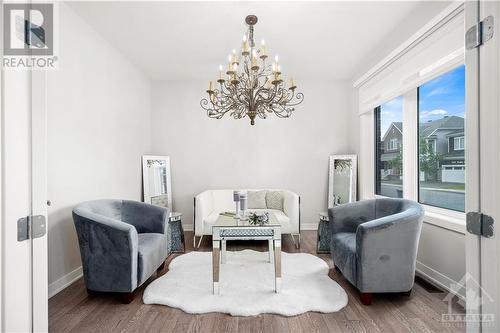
x,y
122,243
374,244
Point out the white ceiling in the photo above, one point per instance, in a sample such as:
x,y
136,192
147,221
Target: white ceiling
x,y
188,40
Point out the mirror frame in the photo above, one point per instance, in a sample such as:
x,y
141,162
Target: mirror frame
x,y
354,176
145,179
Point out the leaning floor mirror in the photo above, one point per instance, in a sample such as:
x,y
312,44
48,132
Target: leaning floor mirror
x,y
156,180
342,179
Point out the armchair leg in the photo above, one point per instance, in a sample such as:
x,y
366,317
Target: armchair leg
x,y
407,293
91,292
296,243
366,298
199,242
162,266
127,298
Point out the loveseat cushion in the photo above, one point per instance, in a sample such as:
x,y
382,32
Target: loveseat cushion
x,y
274,200
257,199
152,251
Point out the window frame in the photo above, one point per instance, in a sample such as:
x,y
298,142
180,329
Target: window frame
x,y
442,210
441,217
377,151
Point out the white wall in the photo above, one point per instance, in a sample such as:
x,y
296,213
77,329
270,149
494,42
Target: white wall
x,y
275,153
98,128
441,256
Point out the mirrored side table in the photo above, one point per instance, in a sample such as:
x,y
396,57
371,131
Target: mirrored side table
x,y
176,233
323,239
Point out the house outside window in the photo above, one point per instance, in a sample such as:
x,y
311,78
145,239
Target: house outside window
x,y
441,107
389,153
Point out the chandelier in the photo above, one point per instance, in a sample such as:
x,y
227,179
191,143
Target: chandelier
x,y
250,86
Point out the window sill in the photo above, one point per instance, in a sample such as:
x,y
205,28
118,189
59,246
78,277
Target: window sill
x,y
451,220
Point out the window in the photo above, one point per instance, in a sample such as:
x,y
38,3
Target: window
x,y
459,143
441,105
432,145
388,149
393,144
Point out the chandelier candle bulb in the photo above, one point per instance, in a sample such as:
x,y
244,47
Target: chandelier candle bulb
x,y
255,66
263,54
229,68
246,48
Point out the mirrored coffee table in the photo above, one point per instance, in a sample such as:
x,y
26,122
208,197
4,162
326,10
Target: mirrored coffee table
x,y
229,228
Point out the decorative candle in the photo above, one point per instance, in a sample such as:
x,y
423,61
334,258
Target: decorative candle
x,y
245,45
243,201
235,56
221,72
254,59
236,196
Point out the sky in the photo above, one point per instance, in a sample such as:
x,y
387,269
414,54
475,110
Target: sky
x,y
442,96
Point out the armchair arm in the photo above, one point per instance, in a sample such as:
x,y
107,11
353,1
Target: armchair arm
x,y
109,252
203,207
145,217
387,251
347,217
291,207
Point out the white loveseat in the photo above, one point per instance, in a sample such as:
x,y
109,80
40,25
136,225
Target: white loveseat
x,y
209,204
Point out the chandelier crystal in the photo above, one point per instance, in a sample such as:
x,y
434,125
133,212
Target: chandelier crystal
x,y
250,86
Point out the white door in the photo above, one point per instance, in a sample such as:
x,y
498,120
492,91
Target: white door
x,y
483,181
23,182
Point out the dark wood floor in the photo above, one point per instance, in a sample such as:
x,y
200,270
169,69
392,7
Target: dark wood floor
x,y
73,310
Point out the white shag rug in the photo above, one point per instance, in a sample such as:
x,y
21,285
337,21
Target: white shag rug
x,y
247,285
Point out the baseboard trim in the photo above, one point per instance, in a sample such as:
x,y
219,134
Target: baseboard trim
x,y
65,281
438,279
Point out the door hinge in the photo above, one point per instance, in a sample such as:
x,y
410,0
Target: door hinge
x,y
479,33
480,224
35,223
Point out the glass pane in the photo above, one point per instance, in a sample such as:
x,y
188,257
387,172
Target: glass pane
x,y
389,149
441,106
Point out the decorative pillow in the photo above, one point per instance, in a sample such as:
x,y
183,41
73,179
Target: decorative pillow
x,y
274,200
257,199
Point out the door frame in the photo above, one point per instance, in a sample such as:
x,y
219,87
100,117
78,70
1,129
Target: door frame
x,y
483,182
472,157
23,277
